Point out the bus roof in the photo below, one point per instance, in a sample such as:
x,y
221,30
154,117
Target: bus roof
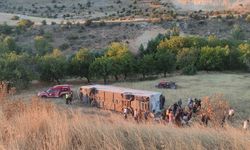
x,y
116,89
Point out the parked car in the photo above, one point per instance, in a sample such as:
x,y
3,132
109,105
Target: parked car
x,y
166,85
55,91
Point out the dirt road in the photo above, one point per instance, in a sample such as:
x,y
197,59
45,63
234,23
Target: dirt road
x,y
6,18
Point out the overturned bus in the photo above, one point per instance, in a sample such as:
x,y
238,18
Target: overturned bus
x,y
117,98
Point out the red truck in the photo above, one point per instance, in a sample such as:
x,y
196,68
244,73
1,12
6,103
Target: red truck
x,y
55,91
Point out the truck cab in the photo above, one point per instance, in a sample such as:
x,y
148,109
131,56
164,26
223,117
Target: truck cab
x,y
55,91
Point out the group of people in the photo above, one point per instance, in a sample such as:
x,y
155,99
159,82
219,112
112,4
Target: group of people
x,y
138,115
179,115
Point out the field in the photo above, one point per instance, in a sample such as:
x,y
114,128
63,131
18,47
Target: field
x,y
30,123
44,125
232,86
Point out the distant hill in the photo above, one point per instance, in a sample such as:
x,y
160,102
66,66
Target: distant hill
x,y
242,5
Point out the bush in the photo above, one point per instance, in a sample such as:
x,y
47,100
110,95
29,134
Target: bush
x,y
25,23
238,33
42,46
88,22
15,69
52,67
64,46
44,22
189,70
248,18
15,18
5,29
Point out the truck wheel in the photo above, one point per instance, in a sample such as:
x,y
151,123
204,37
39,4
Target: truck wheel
x,y
44,96
62,96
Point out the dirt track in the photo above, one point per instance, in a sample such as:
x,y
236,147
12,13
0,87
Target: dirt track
x,y
6,18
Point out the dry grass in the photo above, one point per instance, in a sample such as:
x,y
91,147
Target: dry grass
x,y
43,125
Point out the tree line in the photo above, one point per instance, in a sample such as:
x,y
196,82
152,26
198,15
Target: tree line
x,y
162,55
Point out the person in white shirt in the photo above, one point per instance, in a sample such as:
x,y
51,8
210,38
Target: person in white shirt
x,y
231,113
136,115
125,112
245,124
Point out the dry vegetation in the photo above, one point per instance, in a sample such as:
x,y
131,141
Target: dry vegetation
x,y
31,123
43,125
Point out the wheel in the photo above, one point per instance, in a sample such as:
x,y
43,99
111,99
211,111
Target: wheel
x,y
62,95
43,96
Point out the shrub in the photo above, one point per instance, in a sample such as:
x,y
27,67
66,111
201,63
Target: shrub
x,y
24,24
5,29
15,18
88,22
238,33
248,18
189,70
64,46
44,22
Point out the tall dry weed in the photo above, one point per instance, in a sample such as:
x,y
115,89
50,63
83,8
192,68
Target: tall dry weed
x,y
42,125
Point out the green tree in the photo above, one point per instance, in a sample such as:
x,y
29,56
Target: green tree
x,y
10,44
245,54
80,63
146,65
187,60
42,46
141,50
238,33
123,59
248,18
174,44
152,44
5,29
15,69
52,67
165,62
102,67
213,58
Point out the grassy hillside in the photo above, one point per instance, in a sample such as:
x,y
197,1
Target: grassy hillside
x,y
42,125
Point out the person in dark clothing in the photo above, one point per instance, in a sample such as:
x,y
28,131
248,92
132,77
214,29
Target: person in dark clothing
x,y
163,114
146,113
204,119
179,103
175,107
162,101
70,97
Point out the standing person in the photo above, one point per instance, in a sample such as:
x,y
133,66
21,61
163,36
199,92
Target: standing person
x,y
171,117
179,102
136,115
70,97
125,113
230,113
175,108
190,103
67,97
146,115
246,124
162,101
204,119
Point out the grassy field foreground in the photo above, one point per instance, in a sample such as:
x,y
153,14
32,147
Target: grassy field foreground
x,y
43,125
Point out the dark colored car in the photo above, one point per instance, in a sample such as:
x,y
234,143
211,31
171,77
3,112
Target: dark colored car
x,y
166,85
55,91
